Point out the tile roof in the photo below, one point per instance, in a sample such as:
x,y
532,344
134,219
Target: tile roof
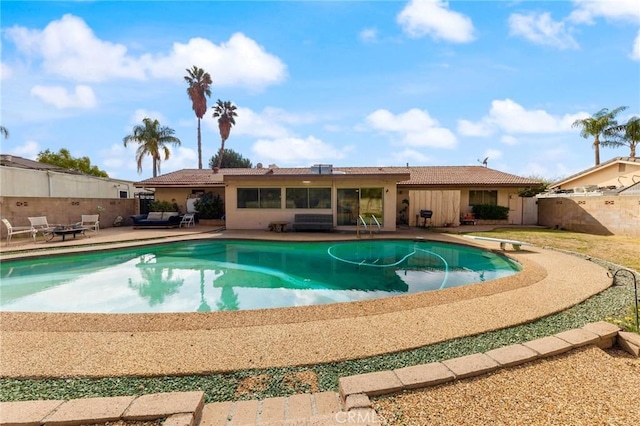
x,y
603,165
24,163
419,176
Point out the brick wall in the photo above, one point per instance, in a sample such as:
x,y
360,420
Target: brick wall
x,y
593,215
64,210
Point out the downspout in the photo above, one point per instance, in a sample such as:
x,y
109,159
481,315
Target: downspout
x,y
50,183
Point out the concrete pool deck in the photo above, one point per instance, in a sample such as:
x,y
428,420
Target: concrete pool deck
x,y
99,345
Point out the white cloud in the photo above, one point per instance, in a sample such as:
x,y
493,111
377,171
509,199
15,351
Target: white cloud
x,y
291,150
69,48
587,10
118,160
541,29
238,62
29,149
410,156
482,128
270,123
635,53
82,97
415,128
5,71
368,35
512,118
434,18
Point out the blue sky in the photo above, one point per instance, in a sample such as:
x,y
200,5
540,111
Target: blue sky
x,y
348,83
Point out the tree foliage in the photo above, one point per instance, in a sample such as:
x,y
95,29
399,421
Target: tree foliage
x,y
532,191
4,132
627,134
163,206
230,160
198,90
209,206
64,159
600,125
226,113
152,139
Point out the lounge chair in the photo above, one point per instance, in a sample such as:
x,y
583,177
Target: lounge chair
x,y
90,222
41,225
187,220
12,230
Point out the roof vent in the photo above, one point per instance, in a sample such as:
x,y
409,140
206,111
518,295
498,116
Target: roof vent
x,y
322,169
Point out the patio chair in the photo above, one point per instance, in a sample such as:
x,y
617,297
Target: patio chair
x,y
187,220
90,222
41,225
12,230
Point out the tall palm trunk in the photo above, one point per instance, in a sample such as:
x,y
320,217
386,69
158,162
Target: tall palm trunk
x,y
220,155
199,146
596,148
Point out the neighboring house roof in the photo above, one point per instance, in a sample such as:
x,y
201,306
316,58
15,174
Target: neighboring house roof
x,y
418,176
590,170
25,163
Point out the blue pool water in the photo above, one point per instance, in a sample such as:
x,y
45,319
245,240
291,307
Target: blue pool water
x,y
239,275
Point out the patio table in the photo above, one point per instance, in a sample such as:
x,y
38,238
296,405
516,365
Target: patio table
x,y
64,230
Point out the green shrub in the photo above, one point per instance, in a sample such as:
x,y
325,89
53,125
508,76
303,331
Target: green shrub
x,y
209,206
163,206
490,212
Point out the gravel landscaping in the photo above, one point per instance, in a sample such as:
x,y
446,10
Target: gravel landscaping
x,y
286,381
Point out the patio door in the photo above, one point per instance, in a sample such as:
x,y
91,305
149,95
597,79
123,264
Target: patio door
x,y
348,206
353,202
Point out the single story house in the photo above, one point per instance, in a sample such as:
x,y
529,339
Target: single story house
x,y
256,197
611,176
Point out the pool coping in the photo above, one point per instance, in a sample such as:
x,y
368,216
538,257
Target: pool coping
x,y
99,345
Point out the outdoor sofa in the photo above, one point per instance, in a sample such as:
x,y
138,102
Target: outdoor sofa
x,y
157,220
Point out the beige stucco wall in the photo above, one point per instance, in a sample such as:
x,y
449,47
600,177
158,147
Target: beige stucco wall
x,y
65,210
260,218
180,195
592,215
607,176
449,204
40,183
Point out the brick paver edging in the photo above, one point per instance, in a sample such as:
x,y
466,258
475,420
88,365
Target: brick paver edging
x,y
602,334
178,408
186,408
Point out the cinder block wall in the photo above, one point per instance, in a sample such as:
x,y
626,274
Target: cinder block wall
x,y
593,215
65,210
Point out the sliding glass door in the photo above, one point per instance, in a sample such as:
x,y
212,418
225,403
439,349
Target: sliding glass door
x,y
353,202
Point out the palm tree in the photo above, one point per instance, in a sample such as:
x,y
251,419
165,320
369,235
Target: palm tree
x,y
151,139
627,135
198,90
4,132
599,125
225,111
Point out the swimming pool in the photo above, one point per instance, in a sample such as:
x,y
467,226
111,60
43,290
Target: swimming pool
x,y
240,275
